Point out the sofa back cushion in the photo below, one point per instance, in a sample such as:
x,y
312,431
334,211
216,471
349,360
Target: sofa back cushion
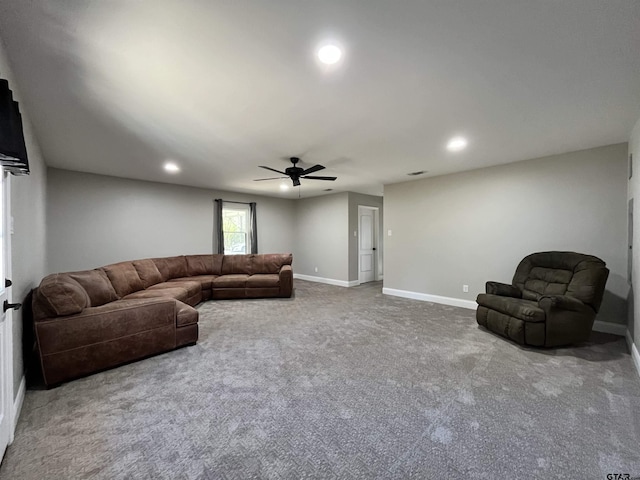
x,y
562,273
148,272
237,264
124,278
58,295
171,267
97,285
270,262
204,264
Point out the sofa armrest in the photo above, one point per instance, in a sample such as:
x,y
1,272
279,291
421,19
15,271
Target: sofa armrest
x,y
562,302
107,322
286,281
503,289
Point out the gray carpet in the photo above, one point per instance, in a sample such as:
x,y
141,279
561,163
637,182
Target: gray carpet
x,y
340,383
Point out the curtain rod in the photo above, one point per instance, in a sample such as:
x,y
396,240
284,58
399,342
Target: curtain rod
x,y
231,201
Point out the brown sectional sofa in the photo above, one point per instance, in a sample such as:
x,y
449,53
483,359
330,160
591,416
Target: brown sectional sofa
x,y
88,321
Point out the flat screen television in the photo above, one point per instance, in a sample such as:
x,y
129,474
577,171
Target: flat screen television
x,y
13,150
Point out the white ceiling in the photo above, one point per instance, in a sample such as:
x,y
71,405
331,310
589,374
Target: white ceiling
x,y
119,87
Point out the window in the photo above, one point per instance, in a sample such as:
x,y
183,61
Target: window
x,y
235,227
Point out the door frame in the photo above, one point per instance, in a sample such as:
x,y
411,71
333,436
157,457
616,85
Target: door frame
x,y
376,241
6,374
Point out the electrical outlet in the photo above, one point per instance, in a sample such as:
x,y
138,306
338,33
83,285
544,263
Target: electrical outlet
x,y
465,288
316,269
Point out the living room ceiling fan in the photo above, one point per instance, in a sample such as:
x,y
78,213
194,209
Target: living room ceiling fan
x,y
295,173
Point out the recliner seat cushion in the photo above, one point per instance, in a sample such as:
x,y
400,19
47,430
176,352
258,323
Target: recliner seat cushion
x,y
124,278
97,285
526,310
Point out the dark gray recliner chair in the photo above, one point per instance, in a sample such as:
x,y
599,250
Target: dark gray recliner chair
x,y
553,300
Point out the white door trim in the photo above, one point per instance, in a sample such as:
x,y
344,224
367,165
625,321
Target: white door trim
x,y
376,233
6,375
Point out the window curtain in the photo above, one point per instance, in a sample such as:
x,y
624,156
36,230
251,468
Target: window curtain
x,y
219,233
253,227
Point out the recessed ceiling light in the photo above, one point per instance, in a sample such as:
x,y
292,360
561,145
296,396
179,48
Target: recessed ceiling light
x,y
457,144
171,167
329,54
284,186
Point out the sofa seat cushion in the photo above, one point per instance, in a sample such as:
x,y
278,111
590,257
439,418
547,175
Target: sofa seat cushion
x,y
526,310
237,280
263,280
192,288
206,281
185,315
177,293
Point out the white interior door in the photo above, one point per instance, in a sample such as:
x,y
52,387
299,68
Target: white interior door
x,y
366,244
6,367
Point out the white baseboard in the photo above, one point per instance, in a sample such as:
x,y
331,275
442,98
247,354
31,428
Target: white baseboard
x,y
329,281
425,297
608,327
17,407
635,355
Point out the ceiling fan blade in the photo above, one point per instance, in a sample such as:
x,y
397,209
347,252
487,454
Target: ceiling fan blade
x,y
319,178
296,182
315,168
272,169
272,178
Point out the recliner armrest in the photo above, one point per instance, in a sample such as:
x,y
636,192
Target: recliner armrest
x,y
503,289
562,302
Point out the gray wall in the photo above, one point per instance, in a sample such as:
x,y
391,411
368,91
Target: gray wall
x,y
28,212
94,220
475,226
634,192
356,199
322,236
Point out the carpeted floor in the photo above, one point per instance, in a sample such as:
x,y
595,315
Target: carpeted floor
x,y
340,383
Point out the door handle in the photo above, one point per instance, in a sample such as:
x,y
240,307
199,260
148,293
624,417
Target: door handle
x,y
7,283
6,306
374,248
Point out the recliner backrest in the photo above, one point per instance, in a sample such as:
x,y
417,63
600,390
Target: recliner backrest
x,y
562,273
